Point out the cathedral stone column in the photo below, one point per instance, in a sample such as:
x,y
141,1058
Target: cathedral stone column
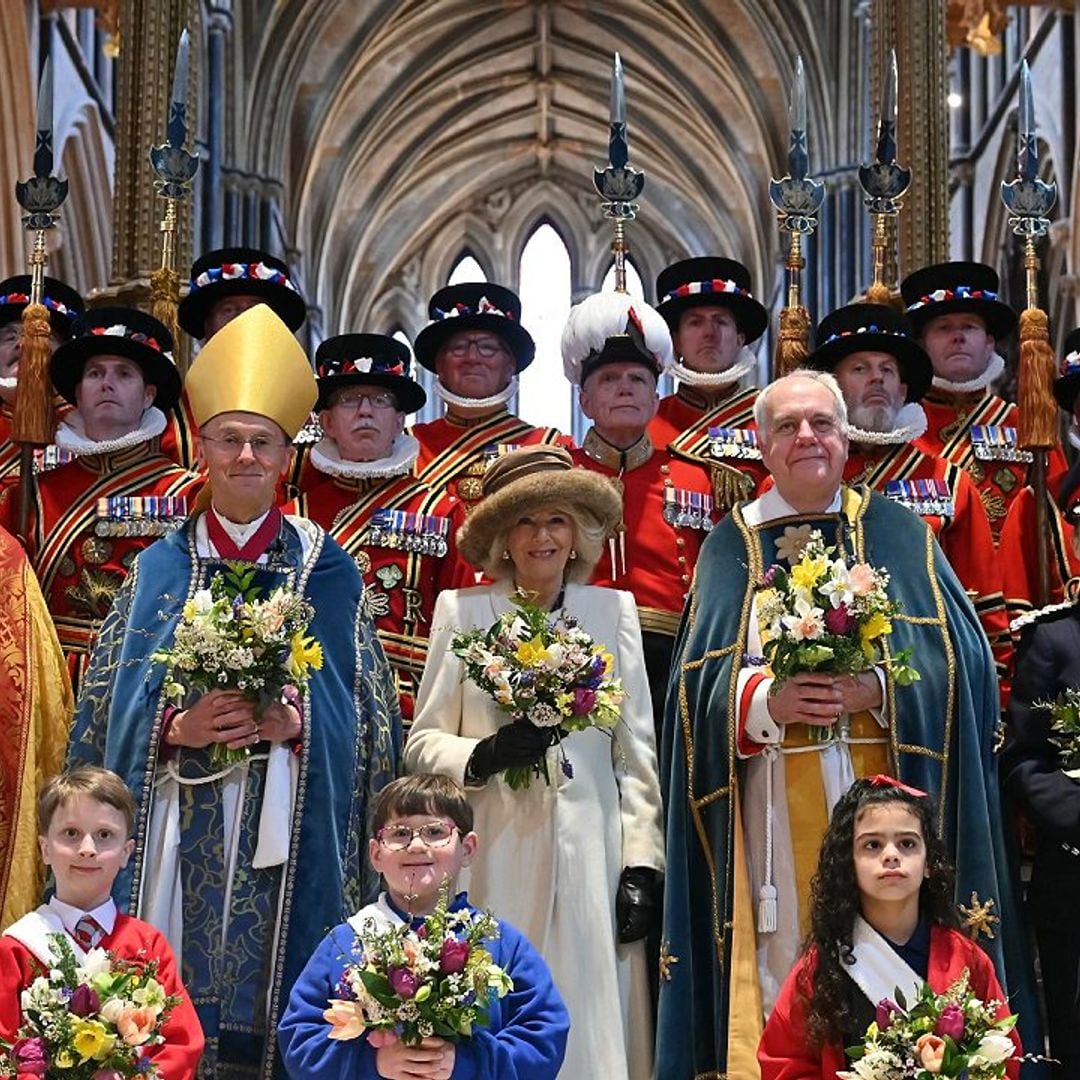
x,y
916,29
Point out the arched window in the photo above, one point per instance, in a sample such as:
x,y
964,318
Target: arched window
x,y
545,397
633,280
466,269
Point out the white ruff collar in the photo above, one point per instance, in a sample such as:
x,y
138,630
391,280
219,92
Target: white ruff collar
x,y
9,383
501,398
745,362
910,424
71,434
992,373
326,457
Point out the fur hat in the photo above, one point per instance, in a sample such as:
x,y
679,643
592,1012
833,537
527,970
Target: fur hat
x,y
614,327
528,478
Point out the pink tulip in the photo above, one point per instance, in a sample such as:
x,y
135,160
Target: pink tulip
x,y
403,982
453,956
951,1023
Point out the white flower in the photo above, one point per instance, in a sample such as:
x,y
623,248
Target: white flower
x,y
790,546
806,624
97,962
203,601
993,1048
544,716
838,587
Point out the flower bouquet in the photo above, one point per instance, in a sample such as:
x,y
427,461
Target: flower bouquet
x,y
412,984
230,639
1065,722
945,1035
824,615
542,671
89,1020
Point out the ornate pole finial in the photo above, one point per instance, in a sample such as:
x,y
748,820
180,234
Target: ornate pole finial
x,y
1029,201
884,184
33,420
620,183
175,168
797,198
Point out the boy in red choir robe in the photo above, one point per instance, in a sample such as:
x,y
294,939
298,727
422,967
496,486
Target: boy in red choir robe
x,y
85,818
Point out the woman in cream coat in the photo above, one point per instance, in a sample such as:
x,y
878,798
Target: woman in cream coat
x,y
575,866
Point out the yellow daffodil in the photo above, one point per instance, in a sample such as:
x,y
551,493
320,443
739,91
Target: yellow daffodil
x,y
876,626
306,653
807,573
532,653
92,1040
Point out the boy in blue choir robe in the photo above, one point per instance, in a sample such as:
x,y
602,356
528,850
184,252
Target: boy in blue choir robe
x,y
526,1036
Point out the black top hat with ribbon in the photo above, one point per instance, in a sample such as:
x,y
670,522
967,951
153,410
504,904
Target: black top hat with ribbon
x,y
367,360
708,280
240,271
872,328
474,306
1067,384
64,303
945,288
117,331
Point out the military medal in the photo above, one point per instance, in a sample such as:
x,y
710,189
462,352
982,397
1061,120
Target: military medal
x,y
363,561
96,550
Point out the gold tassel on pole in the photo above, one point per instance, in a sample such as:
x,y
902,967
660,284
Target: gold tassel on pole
x,y
797,199
1029,200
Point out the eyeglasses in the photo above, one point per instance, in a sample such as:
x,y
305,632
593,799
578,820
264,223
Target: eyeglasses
x,y
433,834
262,446
485,348
374,401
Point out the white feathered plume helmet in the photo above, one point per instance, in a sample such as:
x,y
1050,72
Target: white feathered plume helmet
x,y
614,327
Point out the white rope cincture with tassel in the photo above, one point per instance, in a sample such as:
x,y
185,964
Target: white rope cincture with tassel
x,y
767,906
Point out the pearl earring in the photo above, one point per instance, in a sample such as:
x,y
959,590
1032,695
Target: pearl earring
x,y
506,554
573,554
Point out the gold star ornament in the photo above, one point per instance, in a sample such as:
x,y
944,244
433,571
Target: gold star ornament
x,y
978,918
666,961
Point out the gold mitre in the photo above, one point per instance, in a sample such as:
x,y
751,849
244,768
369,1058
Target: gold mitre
x,y
253,364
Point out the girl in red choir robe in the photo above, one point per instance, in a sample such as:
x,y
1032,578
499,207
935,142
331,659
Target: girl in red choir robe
x,y
882,917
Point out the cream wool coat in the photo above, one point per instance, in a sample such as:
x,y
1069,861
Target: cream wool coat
x,y
549,858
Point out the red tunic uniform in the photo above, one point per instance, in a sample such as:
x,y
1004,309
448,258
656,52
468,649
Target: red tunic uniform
x,y
786,1053
725,433
132,939
90,518
178,438
945,497
1020,554
453,456
996,465
401,534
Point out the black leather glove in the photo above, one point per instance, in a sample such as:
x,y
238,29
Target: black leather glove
x,y
637,903
518,744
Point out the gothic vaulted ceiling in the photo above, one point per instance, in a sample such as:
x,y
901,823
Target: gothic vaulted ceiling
x,y
407,130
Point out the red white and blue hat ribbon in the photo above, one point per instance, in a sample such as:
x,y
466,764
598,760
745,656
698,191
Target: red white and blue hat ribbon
x,y
484,307
48,301
960,292
715,285
242,272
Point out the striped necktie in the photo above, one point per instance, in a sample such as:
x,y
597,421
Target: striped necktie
x,y
88,932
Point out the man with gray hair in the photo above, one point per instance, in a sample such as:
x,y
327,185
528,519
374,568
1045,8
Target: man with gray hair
x,y
752,768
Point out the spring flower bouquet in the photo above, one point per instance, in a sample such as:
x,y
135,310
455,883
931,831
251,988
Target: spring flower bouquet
x,y
412,984
825,615
1065,723
542,671
230,639
89,1020
945,1035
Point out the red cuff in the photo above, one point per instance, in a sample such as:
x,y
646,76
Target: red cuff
x,y
747,746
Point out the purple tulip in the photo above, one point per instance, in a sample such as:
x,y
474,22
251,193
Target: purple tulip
x,y
884,1012
403,982
584,701
30,1057
84,1001
453,956
839,620
950,1023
